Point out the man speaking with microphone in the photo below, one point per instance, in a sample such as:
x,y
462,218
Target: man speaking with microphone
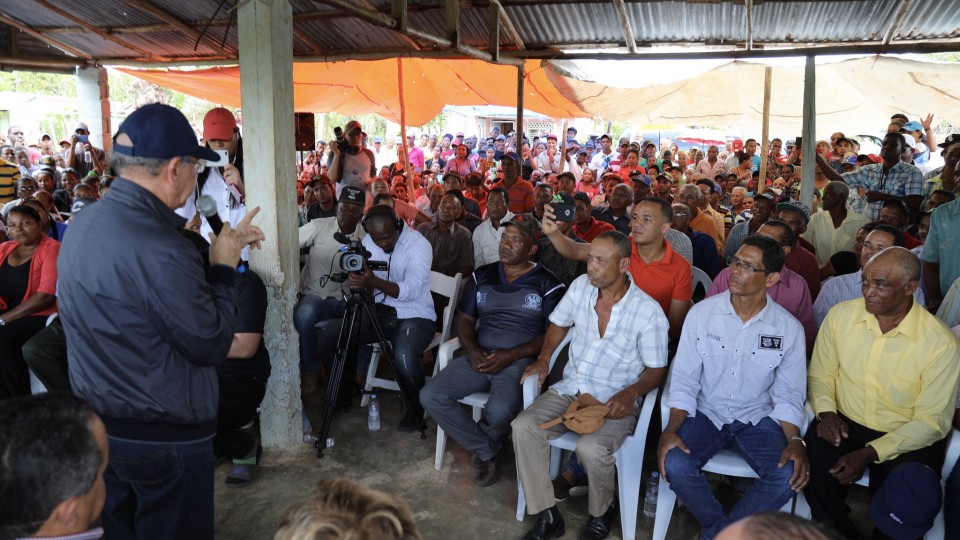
x,y
146,328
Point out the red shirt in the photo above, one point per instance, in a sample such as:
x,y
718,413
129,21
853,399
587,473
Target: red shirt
x,y
593,230
521,196
804,263
665,280
43,271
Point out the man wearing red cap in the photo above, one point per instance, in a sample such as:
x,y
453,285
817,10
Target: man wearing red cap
x,y
350,163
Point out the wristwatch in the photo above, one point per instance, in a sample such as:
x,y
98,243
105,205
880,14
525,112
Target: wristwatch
x,y
2,322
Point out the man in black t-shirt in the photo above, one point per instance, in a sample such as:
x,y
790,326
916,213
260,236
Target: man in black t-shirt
x,y
243,381
501,320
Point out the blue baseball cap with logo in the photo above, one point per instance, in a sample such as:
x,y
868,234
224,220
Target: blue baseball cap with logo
x,y
159,131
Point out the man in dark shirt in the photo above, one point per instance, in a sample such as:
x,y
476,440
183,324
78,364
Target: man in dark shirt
x,y
502,316
326,205
565,269
452,243
705,256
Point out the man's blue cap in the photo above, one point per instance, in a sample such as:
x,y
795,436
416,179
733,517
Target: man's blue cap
x,y
908,502
159,131
513,156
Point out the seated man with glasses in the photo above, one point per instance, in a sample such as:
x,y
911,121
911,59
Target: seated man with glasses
x,y
738,381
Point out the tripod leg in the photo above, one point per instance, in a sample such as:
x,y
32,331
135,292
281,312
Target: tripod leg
x,y
347,342
386,351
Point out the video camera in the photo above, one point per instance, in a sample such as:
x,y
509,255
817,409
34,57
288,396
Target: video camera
x,y
353,258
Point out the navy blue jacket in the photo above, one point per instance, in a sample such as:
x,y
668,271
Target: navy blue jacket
x,y
145,327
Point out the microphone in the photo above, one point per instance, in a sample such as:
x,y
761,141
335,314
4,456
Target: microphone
x,y
340,237
208,207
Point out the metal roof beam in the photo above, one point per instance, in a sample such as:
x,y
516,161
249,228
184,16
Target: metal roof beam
x,y
896,22
452,16
91,28
493,40
621,9
749,5
508,24
162,14
5,19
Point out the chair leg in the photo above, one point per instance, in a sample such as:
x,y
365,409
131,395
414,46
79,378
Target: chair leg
x,y
371,374
666,500
630,480
441,447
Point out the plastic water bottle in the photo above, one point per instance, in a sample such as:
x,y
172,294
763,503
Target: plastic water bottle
x,y
373,413
650,501
88,157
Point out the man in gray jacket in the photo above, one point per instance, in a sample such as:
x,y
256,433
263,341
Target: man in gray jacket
x,y
146,328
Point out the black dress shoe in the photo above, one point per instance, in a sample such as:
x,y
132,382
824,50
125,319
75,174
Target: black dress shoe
x,y
599,527
489,470
544,530
476,462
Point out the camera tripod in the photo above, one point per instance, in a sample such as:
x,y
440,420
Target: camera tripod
x,y
359,305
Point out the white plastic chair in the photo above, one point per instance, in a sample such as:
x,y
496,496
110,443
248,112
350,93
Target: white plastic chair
x,y
629,459
476,400
700,278
937,532
727,462
443,285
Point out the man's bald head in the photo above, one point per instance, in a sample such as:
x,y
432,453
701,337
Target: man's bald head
x,y
907,263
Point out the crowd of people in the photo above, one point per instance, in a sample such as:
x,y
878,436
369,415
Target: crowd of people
x,y
819,348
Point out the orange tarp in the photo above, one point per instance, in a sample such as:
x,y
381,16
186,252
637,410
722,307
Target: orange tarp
x,y
363,87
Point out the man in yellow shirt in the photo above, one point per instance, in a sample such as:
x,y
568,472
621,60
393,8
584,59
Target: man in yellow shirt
x,y
883,382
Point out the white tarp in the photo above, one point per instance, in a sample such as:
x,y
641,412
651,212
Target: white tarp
x,y
853,96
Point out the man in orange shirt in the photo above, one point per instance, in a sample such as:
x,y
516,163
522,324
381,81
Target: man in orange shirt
x,y
586,226
654,267
690,195
520,191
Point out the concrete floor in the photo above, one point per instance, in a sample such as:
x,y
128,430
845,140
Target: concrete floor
x,y
445,503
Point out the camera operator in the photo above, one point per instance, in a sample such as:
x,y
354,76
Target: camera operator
x,y
350,163
321,298
403,305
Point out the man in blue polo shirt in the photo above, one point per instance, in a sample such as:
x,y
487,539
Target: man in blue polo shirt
x,y
502,318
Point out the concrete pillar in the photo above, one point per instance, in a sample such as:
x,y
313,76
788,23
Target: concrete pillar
x,y
93,105
266,85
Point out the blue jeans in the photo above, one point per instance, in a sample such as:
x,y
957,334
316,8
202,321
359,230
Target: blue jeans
x,y
459,380
157,490
761,445
309,311
409,338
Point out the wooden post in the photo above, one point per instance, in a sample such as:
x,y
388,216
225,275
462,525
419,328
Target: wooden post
x,y
403,129
518,129
765,146
266,85
93,98
809,156
562,136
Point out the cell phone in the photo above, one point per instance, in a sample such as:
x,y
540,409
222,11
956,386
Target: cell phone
x,y
224,159
563,211
799,142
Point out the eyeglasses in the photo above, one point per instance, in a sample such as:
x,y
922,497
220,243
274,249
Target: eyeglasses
x,y
680,214
734,262
25,189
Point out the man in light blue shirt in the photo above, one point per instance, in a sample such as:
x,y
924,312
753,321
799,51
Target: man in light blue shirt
x,y
404,306
738,381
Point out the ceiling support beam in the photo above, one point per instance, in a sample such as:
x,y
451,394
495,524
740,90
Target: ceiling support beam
x,y
493,40
386,21
896,22
452,16
46,39
208,41
749,5
628,37
307,40
508,24
91,28
398,8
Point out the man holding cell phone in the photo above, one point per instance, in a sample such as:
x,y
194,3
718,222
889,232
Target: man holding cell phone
x,y
82,156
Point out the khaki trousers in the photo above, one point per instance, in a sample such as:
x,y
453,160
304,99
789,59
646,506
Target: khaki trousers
x,y
594,452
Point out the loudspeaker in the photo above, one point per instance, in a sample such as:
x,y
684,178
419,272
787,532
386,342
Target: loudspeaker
x,y
305,132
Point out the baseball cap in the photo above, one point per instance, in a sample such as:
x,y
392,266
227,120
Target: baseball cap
x,y
573,129
502,138
908,502
352,195
159,131
875,158
848,141
581,196
737,145
83,126
80,204
352,125
218,125
636,176
795,206
953,138
589,145
912,126
525,223
513,156
582,151
911,142
551,136
851,160
377,140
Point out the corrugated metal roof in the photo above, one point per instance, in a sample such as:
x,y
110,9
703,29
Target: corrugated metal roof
x,y
547,28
